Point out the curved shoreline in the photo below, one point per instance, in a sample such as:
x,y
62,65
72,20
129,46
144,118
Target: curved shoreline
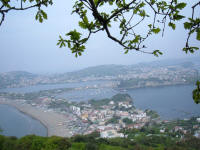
x,y
29,115
50,120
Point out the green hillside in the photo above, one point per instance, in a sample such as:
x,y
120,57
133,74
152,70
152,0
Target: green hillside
x,y
93,142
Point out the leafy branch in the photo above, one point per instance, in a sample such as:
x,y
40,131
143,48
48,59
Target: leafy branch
x,y
128,15
193,25
8,5
196,93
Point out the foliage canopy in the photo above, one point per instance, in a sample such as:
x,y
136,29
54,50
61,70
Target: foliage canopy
x,y
86,142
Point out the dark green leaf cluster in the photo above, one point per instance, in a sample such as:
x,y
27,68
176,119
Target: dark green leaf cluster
x,y
157,53
40,16
93,142
196,93
193,25
75,43
8,5
32,142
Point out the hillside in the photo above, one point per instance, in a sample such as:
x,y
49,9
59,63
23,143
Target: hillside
x,y
140,75
92,142
15,78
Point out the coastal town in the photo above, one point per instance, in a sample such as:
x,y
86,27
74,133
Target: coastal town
x,y
117,76
108,117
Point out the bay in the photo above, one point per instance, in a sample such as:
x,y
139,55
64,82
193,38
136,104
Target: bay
x,y
16,123
37,88
171,102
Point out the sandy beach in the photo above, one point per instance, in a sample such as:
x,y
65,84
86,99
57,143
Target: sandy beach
x,y
53,121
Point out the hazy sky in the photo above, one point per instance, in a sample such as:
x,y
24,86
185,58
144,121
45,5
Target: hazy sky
x,y
28,45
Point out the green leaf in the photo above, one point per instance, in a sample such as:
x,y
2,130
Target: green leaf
x,y
150,26
187,25
79,53
136,10
190,49
110,2
195,48
142,13
153,2
40,19
126,52
178,17
44,14
74,35
69,44
160,52
84,40
157,53
136,40
82,25
156,30
36,17
141,5
85,20
95,2
198,34
196,93
180,5
172,25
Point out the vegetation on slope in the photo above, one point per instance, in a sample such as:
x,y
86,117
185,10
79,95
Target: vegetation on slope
x,y
93,142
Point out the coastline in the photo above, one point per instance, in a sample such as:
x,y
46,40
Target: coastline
x,y
52,121
157,86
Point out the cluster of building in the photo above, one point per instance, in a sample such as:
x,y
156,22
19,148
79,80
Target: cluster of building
x,y
175,74
180,130
197,132
108,119
99,119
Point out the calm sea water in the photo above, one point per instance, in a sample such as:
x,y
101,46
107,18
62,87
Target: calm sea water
x,y
15,123
171,102
37,88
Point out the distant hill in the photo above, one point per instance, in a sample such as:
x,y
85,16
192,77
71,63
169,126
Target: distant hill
x,y
15,78
102,72
98,71
20,74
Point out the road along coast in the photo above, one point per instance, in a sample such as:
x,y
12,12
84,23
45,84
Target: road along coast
x,y
53,121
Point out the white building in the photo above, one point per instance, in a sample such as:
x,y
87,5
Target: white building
x,y
111,134
76,110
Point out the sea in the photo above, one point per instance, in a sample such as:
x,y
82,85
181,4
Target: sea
x,y
170,102
16,123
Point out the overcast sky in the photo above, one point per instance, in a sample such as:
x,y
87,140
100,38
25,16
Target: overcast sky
x,y
28,45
